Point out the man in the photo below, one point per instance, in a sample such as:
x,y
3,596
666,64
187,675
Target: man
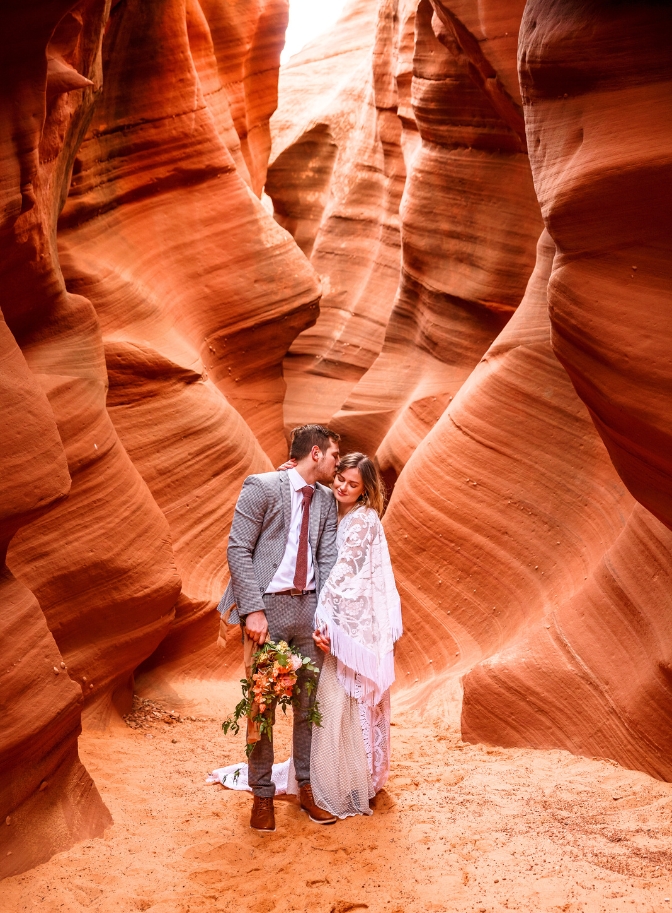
x,y
282,546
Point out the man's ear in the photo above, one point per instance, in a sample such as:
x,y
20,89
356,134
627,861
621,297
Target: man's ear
x,y
316,453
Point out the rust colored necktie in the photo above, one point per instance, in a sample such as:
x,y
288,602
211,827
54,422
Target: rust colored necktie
x,y
301,572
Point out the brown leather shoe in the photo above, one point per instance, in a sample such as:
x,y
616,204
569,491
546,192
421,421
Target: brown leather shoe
x,y
263,815
316,814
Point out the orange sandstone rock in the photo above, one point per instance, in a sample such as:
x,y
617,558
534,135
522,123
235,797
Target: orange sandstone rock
x,y
599,124
199,292
162,232
40,704
100,563
506,506
47,799
336,176
235,47
141,363
594,675
469,225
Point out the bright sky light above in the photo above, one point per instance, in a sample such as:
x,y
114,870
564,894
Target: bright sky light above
x,y
307,20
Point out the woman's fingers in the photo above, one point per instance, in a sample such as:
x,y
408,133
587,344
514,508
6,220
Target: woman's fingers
x,y
322,642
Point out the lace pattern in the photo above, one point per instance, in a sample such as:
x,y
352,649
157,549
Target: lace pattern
x,y
359,607
375,723
339,770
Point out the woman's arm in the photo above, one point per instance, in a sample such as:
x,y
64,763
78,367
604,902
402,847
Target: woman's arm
x,y
354,552
353,557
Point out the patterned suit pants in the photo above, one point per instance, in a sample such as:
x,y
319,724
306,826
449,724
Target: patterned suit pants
x,y
290,618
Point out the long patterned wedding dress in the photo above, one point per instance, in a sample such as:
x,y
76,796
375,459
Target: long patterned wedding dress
x,y
359,608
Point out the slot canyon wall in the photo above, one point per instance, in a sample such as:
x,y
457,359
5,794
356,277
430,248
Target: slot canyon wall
x,y
525,563
148,300
467,274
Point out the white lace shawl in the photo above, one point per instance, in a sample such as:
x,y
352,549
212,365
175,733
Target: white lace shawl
x,y
360,609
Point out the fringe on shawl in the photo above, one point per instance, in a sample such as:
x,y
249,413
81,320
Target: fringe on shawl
x,y
376,675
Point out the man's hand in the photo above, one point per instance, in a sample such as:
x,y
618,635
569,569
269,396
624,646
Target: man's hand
x,y
256,627
322,641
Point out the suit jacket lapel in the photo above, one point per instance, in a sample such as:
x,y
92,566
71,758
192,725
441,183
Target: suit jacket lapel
x,y
286,500
314,525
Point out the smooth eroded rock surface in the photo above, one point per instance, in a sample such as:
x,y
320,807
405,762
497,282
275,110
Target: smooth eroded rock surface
x,y
336,177
594,674
47,798
469,225
507,504
130,356
599,124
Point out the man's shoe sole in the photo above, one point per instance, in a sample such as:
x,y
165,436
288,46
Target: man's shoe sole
x,y
262,830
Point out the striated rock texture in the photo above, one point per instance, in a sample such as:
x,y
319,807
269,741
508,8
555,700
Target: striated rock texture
x,y
507,505
427,114
469,225
47,799
100,563
510,520
336,177
150,305
198,291
197,270
600,135
595,678
128,356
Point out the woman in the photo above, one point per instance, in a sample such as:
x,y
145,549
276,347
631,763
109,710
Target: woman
x,y
358,619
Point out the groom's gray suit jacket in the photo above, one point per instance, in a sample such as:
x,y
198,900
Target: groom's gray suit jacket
x,y
258,538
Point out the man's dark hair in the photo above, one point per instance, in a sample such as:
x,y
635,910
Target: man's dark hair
x,y
305,437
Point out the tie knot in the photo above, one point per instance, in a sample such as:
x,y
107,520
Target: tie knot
x,y
307,491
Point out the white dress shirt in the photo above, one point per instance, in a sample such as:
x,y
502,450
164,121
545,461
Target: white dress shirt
x,y
284,576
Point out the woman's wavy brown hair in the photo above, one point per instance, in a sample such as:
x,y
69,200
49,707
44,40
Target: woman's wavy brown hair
x,y
374,493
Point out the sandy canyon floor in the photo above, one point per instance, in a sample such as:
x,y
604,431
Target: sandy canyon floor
x,y
459,827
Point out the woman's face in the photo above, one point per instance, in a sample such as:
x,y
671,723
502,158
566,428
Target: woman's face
x,y
348,486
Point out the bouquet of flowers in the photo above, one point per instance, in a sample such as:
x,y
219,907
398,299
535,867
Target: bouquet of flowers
x,y
272,682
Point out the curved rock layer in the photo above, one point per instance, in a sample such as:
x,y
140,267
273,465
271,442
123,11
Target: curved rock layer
x,y
47,799
594,675
506,506
123,385
160,230
600,133
336,176
464,268
199,293
141,363
509,504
